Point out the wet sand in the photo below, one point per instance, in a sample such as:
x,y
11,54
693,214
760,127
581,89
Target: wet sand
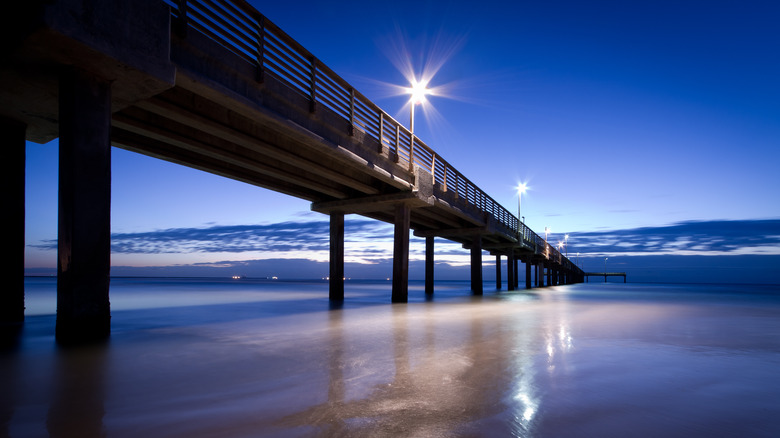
x,y
198,359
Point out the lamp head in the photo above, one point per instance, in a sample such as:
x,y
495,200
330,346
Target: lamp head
x,y
522,187
418,91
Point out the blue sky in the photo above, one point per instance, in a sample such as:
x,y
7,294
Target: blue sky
x,y
630,122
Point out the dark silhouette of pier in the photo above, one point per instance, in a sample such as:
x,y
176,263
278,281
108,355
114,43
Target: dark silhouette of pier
x,y
214,85
587,275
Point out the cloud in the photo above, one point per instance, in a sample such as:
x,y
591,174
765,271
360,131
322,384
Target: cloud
x,y
299,249
738,237
372,239
282,237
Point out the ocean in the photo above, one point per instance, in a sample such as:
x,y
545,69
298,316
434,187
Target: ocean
x,y
269,358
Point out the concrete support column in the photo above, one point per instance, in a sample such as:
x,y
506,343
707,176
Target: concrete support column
x,y
517,273
538,275
401,254
510,279
84,245
528,275
476,265
498,274
549,275
336,275
12,139
554,276
429,265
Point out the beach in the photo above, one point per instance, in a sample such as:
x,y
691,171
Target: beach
x,y
241,358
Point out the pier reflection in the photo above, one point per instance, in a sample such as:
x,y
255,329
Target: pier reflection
x,y
448,374
78,393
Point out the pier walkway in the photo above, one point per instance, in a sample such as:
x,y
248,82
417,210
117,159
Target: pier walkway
x,y
214,85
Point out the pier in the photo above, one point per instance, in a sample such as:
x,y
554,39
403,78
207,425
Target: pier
x,y
605,275
215,86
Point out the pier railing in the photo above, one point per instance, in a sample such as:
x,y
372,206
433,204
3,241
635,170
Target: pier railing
x,y
240,28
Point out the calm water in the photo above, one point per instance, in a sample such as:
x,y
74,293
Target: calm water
x,y
197,358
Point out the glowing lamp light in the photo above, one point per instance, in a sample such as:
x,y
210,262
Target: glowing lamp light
x,y
418,91
522,187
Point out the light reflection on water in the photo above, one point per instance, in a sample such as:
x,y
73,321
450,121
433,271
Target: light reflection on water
x,y
277,359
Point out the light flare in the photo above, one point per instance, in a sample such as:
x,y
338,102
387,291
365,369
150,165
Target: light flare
x,y
418,90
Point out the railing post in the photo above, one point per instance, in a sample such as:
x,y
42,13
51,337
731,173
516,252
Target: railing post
x,y
313,85
444,183
457,188
381,130
397,142
352,111
260,74
411,152
433,166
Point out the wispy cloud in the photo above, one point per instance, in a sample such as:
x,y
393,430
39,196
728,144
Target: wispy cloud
x,y
281,237
370,242
685,238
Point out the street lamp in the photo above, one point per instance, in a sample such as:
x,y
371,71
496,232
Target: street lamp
x,y
566,244
521,188
418,90
547,231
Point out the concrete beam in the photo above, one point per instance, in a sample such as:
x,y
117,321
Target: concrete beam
x,y
453,232
373,203
84,245
235,156
221,130
460,212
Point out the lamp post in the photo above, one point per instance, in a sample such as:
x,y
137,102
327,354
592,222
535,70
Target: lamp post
x,y
521,188
605,269
417,91
566,244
